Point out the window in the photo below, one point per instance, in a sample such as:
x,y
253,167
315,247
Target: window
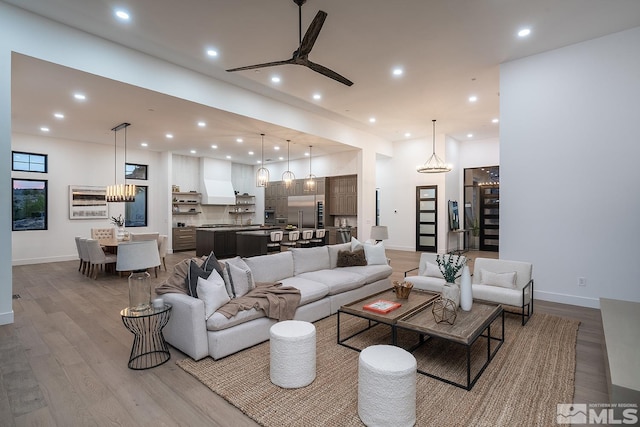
x,y
133,171
135,213
29,208
29,162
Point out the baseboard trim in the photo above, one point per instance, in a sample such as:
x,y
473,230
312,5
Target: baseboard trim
x,y
28,261
6,318
567,299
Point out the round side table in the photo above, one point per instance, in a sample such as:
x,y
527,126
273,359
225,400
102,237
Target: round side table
x,y
149,347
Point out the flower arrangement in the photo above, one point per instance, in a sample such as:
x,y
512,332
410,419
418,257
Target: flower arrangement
x,y
449,268
117,221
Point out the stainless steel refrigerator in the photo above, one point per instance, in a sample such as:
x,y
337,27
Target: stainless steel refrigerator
x,y
303,211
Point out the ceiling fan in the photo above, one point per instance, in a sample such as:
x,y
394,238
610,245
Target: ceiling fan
x,y
300,56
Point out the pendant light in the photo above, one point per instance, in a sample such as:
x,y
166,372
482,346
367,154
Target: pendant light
x,y
434,164
120,192
262,176
288,177
310,180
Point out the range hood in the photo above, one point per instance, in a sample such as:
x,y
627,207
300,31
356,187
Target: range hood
x,y
216,192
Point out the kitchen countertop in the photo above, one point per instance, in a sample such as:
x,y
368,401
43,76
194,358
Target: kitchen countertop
x,y
234,228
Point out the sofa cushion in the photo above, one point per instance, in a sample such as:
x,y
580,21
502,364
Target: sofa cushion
x,y
337,280
310,290
241,279
227,280
375,254
218,321
426,283
310,259
503,280
271,268
191,280
334,250
371,273
499,295
212,292
351,258
433,270
355,244
211,263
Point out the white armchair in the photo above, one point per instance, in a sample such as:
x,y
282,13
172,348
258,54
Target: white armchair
x,y
504,282
429,276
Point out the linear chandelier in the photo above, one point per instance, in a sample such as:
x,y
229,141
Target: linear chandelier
x,y
262,175
120,192
287,176
434,164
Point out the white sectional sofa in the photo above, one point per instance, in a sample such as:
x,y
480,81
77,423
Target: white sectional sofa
x,y
323,286
504,282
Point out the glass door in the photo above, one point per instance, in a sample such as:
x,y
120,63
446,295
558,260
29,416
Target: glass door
x,y
490,217
426,218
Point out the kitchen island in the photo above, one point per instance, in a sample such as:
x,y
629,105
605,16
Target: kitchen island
x,y
222,240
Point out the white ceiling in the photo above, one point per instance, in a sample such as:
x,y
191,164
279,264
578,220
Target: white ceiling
x,y
448,49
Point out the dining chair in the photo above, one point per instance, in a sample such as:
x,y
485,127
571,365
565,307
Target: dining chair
x,y
84,255
139,237
163,243
97,258
79,252
294,236
103,233
275,240
318,240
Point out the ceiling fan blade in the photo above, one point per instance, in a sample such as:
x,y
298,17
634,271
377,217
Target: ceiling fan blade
x,y
264,65
327,72
312,34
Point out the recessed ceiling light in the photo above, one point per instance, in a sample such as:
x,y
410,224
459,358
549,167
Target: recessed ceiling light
x,y
317,96
407,134
214,146
228,157
123,15
372,119
212,52
397,71
169,135
251,153
144,144
306,154
239,140
473,98
524,32
58,115
280,158
276,147
79,96
192,151
202,124
275,79
44,129
469,135
258,161
495,120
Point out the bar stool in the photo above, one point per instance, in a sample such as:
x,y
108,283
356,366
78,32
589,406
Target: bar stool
x,y
319,239
305,241
294,236
275,239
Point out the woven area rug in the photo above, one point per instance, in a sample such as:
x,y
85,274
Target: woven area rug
x,y
532,372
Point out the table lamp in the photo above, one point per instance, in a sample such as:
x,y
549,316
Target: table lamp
x,y
379,233
137,257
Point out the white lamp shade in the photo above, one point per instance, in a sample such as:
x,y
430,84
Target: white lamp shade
x,y
140,255
379,232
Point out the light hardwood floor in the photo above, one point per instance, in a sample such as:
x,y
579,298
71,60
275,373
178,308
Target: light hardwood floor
x,y
64,360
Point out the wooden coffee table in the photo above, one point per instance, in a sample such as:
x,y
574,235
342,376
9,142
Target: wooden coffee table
x,y
417,299
468,327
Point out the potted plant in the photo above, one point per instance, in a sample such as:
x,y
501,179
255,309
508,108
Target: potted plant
x,y
450,266
119,222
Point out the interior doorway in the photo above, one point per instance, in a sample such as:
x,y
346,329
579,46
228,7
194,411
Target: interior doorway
x,y
482,207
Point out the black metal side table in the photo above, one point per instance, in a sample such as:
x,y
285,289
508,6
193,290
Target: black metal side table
x,y
149,347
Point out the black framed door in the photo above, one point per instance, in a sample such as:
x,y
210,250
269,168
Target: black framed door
x,y
427,218
490,217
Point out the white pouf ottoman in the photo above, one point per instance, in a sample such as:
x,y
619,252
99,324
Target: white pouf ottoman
x,y
387,386
292,353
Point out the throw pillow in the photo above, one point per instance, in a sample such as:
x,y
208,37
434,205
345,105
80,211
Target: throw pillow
x,y
375,254
351,259
503,280
355,244
213,293
433,270
211,263
241,279
192,278
227,280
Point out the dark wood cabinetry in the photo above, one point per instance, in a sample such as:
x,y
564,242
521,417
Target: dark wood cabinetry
x,y
342,195
184,238
276,194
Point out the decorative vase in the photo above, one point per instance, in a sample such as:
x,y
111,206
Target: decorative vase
x,y
466,293
120,233
451,291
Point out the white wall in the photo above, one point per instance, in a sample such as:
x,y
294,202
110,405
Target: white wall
x,y
6,287
569,174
